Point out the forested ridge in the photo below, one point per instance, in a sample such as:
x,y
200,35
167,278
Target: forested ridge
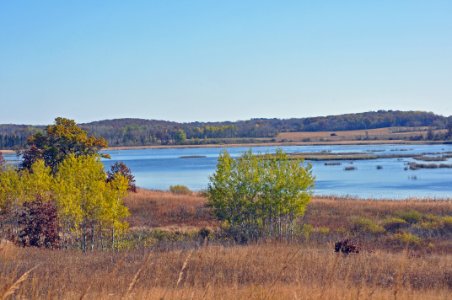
x,y
137,132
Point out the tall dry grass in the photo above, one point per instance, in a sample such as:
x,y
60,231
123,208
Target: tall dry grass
x,y
267,271
388,133
307,270
336,211
159,209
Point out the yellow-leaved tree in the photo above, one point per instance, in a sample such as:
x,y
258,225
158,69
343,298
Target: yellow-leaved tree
x,y
11,197
10,189
115,211
37,183
87,204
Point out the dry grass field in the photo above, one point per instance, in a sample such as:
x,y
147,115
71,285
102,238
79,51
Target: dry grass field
x,y
389,133
267,271
302,269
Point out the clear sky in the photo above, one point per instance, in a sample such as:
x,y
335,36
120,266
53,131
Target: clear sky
x,y
222,60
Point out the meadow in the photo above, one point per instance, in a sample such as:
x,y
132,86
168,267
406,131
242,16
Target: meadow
x,y
405,253
379,134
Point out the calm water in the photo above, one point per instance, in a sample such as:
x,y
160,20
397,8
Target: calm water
x,y
160,168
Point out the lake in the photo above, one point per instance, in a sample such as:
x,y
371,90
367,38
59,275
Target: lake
x,y
160,168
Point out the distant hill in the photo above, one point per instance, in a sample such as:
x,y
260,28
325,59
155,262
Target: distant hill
x,y
138,132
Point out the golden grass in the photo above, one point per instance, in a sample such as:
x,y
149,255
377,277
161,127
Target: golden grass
x,y
344,135
266,271
163,209
335,211
307,270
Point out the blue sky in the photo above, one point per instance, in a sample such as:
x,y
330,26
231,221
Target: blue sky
x,y
222,60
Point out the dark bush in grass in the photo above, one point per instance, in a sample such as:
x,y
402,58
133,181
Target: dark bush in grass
x,y
395,224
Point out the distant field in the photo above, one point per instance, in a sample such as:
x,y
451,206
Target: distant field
x,y
397,133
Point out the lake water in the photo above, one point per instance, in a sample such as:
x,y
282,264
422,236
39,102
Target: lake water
x,y
160,168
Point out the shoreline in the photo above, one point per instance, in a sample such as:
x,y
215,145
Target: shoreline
x,y
282,144
269,144
7,151
320,197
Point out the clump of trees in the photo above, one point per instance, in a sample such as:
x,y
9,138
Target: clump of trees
x,y
61,194
57,142
260,196
120,168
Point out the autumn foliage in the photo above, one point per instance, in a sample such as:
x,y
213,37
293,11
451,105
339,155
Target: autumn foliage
x,y
61,191
57,142
120,168
39,222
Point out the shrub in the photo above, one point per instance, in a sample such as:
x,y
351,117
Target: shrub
x,y
447,223
39,222
431,222
323,230
180,189
365,225
394,224
306,231
406,238
411,216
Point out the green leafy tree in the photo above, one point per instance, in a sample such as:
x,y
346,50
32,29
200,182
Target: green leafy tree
x,y
260,196
180,136
57,142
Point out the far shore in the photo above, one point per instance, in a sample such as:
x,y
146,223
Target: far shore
x,y
7,151
326,143
376,142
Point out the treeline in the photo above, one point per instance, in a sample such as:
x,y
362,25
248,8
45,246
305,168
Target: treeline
x,y
138,132
13,136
